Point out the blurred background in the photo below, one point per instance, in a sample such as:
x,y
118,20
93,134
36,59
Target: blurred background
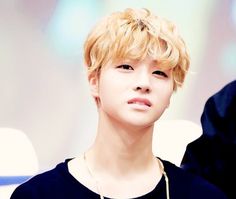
x,y
44,90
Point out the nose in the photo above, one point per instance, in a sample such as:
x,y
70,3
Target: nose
x,y
142,83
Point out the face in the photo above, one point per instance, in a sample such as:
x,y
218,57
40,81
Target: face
x,y
133,93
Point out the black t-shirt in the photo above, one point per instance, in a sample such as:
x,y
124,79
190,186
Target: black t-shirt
x,y
58,183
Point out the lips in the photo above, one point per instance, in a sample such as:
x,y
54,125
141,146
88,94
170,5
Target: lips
x,y
140,101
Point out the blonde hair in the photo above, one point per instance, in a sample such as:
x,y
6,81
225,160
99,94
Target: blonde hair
x,y
133,35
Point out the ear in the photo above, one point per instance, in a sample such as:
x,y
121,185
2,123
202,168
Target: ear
x,y
93,84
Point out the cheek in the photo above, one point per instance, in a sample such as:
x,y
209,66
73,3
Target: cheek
x,y
164,94
111,84
168,98
169,92
107,91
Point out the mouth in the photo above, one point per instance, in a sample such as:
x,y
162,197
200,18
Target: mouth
x,y
140,101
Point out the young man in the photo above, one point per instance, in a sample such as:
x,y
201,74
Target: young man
x,y
135,61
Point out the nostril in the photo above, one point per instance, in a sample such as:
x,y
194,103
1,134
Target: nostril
x,y
143,89
147,90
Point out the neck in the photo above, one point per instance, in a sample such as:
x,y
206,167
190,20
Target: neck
x,y
120,150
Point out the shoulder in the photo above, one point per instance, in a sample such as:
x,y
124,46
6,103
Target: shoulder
x,y
46,182
192,186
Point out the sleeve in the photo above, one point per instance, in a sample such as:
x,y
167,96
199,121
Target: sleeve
x,y
24,192
208,190
197,157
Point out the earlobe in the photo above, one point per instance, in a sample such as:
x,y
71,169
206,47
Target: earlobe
x,y
93,84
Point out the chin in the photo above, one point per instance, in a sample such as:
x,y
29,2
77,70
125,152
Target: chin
x,y
140,124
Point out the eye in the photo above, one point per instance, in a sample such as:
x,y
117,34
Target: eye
x,y
160,73
125,67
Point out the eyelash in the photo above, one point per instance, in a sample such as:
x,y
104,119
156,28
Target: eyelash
x,y
125,67
128,67
157,72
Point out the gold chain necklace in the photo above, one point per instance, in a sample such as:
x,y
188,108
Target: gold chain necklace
x,y
99,188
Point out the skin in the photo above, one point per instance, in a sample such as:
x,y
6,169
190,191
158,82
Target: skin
x,y
131,96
